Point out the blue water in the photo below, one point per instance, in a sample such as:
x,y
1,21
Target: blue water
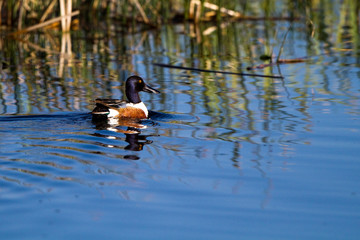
x,y
221,157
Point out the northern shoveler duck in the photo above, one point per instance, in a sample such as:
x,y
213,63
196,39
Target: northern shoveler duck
x,y
133,108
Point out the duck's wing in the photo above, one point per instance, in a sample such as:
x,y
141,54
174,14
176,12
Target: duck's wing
x,y
111,103
103,105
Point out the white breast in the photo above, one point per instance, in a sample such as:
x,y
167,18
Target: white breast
x,y
112,113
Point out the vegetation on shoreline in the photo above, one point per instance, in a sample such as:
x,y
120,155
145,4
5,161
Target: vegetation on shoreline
x,y
25,13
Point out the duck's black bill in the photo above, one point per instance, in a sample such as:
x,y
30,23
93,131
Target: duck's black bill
x,y
149,89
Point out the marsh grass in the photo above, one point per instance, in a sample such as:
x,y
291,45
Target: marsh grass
x,y
23,13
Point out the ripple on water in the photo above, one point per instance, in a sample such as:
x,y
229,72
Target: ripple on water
x,y
69,147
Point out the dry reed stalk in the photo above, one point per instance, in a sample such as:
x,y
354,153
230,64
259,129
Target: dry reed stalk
x,y
40,25
294,60
21,13
62,13
1,4
195,5
48,10
211,6
142,13
280,61
68,13
191,10
198,11
216,71
65,10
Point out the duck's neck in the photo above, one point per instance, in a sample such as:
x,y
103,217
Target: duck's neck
x,y
133,96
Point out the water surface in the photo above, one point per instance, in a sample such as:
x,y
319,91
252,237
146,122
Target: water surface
x,y
221,157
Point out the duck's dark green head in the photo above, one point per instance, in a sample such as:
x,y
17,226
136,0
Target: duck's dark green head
x,y
134,85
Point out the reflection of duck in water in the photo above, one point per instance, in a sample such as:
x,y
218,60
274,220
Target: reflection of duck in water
x,y
132,109
136,142
133,136
112,114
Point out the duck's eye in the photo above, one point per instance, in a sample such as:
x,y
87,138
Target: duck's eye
x,y
140,81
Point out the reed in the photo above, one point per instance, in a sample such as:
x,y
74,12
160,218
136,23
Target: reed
x,y
21,14
150,12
